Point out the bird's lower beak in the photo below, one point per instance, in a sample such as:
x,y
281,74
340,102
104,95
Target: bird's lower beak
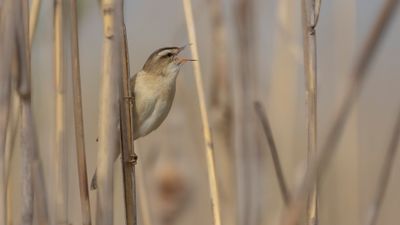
x,y
184,60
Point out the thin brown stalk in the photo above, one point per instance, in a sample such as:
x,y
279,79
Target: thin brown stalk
x,y
247,149
128,152
28,141
7,44
316,10
143,201
209,147
318,164
384,175
33,16
12,130
78,116
221,109
15,120
309,19
109,114
60,162
32,168
27,145
274,152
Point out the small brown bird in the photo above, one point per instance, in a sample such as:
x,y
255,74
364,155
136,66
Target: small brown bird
x,y
153,89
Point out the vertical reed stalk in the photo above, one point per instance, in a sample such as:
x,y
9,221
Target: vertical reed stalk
x,y
274,152
247,151
221,110
28,141
309,21
14,122
39,186
358,75
143,201
109,112
78,116
61,156
128,152
33,16
384,175
7,44
187,5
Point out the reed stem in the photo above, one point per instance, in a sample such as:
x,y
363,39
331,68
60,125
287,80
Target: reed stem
x,y
209,146
358,75
78,118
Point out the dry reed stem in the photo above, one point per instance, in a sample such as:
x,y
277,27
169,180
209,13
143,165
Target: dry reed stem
x,y
319,162
143,200
128,152
384,175
61,156
221,109
309,19
28,142
27,145
274,152
316,10
12,129
247,149
39,187
109,112
215,205
33,16
78,117
15,121
40,202
7,44
30,154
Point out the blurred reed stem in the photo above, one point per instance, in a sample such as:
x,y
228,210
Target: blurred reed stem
x,y
109,114
358,75
310,15
221,111
14,122
28,142
78,118
143,200
274,152
247,143
128,152
39,186
7,46
61,156
384,175
209,145
33,17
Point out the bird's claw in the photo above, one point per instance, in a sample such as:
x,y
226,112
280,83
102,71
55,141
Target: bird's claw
x,y
129,98
133,160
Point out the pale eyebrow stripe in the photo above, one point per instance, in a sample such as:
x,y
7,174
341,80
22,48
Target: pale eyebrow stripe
x,y
164,52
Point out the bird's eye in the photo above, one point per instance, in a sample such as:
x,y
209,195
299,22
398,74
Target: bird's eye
x,y
170,54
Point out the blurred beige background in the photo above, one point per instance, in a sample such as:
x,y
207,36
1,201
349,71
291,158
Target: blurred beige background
x,y
172,159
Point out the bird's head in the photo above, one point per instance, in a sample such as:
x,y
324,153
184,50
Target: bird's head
x,y
165,61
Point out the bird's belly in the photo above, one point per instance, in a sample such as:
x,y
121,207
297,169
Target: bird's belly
x,y
157,116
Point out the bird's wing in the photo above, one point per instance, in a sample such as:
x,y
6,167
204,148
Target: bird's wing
x,y
144,103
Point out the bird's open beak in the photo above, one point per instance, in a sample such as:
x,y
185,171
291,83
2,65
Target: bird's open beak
x,y
183,47
183,60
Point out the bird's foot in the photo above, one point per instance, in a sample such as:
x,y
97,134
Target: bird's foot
x,y
133,159
129,98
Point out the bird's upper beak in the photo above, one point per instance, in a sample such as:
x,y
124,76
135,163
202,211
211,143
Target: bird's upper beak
x,y
183,60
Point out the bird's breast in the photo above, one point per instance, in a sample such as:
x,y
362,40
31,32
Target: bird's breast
x,y
153,101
